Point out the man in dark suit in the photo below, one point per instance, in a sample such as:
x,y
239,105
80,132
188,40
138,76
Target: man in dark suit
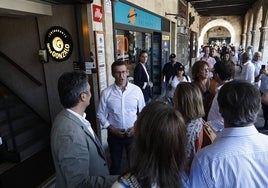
x,y
142,78
78,155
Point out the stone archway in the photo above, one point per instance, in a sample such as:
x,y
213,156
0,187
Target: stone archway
x,y
214,23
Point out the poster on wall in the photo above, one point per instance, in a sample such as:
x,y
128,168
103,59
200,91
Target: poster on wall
x,y
122,47
101,64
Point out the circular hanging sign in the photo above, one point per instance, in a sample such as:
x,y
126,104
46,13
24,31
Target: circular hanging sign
x,y
59,43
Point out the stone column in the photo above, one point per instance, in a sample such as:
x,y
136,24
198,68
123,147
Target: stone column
x,y
264,43
243,40
248,39
253,41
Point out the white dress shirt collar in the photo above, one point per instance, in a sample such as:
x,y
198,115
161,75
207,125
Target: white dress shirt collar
x,y
83,119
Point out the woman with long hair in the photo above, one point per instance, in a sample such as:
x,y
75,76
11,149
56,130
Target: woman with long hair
x,y
207,86
188,101
158,151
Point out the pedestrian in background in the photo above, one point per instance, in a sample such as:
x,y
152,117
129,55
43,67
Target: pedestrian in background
x,y
169,70
248,68
142,77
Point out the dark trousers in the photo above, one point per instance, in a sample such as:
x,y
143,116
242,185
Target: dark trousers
x,y
116,147
265,115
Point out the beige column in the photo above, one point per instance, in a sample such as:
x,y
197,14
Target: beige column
x,y
264,43
253,41
243,40
248,41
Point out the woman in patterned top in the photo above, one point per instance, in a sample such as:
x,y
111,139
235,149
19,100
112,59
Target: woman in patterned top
x,y
188,101
158,150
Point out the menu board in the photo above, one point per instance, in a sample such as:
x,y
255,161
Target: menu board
x,y
101,63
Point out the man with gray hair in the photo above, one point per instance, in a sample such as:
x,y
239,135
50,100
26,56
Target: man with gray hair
x,y
248,68
78,155
256,60
239,155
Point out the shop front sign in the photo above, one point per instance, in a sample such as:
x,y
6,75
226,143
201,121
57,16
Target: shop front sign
x,y
59,43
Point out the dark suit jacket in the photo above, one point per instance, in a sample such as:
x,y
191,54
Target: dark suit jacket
x,y
78,157
139,78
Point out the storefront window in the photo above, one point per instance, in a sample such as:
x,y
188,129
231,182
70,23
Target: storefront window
x,y
128,46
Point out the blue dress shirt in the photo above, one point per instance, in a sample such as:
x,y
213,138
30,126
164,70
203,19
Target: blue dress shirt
x,y
237,158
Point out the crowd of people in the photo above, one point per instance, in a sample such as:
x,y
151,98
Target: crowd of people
x,y
164,142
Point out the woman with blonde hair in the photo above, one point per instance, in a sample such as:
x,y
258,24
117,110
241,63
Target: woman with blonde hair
x,y
188,101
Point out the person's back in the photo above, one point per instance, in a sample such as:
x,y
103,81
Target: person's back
x,y
158,150
222,74
239,155
233,160
188,101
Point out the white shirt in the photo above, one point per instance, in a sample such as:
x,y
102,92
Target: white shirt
x,y
174,81
264,83
145,84
215,120
83,119
119,109
257,65
247,73
237,158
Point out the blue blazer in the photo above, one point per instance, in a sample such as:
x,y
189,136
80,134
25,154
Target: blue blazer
x,y
79,158
140,77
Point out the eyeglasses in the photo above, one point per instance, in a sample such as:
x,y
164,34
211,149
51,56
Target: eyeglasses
x,y
121,72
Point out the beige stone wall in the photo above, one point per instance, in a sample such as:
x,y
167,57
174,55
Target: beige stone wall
x,y
158,6
195,26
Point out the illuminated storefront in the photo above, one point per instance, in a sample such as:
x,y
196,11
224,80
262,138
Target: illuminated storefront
x,y
137,29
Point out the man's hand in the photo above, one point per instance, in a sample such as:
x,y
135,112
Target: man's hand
x,y
118,132
150,84
130,132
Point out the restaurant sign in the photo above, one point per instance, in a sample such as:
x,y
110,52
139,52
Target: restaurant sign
x,y
59,43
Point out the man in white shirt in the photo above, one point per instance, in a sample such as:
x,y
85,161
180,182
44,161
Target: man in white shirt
x,y
248,69
118,108
239,155
257,64
222,73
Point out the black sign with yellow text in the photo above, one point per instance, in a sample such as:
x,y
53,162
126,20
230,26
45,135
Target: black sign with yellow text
x,y
59,43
